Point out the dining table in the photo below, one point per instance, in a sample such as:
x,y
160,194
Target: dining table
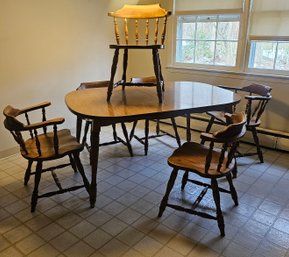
x,y
180,98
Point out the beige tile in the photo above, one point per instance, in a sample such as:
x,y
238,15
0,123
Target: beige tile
x,y
63,241
44,251
17,234
148,246
82,229
12,251
79,249
50,231
29,244
113,248
97,238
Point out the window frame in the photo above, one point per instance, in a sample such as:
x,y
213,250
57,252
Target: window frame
x,y
208,13
244,45
260,70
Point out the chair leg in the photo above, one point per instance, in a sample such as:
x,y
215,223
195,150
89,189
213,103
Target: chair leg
x,y
125,58
216,196
185,179
146,143
112,74
157,74
232,189
158,127
84,139
210,124
256,140
235,170
176,131
72,163
124,130
168,191
131,134
27,173
114,133
37,178
81,171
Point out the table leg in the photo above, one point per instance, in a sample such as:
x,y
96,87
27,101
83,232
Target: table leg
x,y
94,153
188,127
78,128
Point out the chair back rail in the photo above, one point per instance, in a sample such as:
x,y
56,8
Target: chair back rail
x,y
140,17
228,137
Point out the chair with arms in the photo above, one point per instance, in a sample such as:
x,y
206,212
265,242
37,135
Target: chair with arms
x,y
116,138
210,163
135,32
256,98
42,142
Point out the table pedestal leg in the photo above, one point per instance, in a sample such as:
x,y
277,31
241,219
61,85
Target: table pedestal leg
x,y
94,153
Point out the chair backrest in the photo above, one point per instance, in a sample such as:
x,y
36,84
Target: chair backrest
x,y
257,100
137,24
18,128
228,137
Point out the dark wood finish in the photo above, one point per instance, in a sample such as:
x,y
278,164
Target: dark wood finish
x,y
131,105
159,132
136,17
37,144
88,122
208,162
256,97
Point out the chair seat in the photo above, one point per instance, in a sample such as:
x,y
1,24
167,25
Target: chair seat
x,y
67,143
192,157
124,46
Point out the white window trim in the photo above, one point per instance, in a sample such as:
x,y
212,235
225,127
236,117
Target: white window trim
x,y
206,66
243,50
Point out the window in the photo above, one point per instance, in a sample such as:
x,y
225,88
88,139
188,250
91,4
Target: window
x,y
273,55
207,39
269,37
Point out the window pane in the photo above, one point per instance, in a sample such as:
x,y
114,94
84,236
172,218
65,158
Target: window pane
x,y
228,30
226,53
206,28
188,31
205,52
262,55
185,51
282,61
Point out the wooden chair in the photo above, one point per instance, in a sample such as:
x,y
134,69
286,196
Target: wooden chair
x,y
159,132
39,145
256,98
210,163
140,19
88,123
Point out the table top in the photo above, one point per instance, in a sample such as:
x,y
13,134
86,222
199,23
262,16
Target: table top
x,y
180,97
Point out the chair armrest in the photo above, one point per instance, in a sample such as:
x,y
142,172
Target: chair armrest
x,y
256,97
211,138
46,123
230,88
34,107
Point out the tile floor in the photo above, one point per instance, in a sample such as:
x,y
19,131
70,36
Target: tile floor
x,y
124,221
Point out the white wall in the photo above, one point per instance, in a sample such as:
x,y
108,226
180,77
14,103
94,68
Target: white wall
x,y
47,48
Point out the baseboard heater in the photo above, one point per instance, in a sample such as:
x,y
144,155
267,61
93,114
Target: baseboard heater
x,y
273,133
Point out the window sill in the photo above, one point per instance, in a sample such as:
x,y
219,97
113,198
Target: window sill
x,y
227,73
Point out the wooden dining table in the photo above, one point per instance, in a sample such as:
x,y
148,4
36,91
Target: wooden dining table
x,y
181,98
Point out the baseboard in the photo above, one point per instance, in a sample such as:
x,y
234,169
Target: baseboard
x,y
8,152
272,139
